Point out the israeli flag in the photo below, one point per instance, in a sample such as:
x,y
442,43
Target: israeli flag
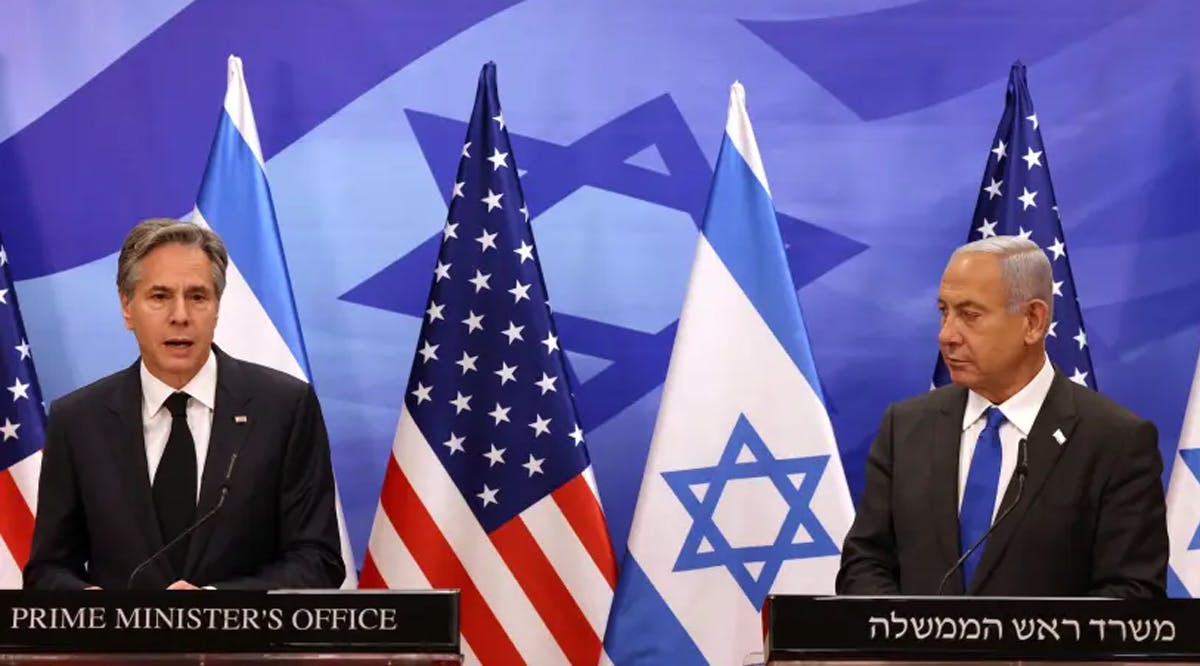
x,y
1183,503
743,492
258,321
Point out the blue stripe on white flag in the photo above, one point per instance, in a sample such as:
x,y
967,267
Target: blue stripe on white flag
x,y
669,600
741,226
639,610
235,200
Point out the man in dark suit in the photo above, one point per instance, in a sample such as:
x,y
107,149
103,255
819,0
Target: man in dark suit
x,y
1090,519
134,459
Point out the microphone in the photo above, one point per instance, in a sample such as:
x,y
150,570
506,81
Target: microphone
x,y
191,528
1021,472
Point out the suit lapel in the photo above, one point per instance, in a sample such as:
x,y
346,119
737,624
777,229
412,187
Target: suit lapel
x,y
126,436
225,439
943,496
1057,414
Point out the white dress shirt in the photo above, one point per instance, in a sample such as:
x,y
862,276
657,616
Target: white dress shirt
x,y
156,418
1019,411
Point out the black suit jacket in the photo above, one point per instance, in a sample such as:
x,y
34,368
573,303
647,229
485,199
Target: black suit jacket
x,y
1090,522
277,529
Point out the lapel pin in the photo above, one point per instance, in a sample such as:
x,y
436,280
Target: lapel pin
x,y
242,418
1059,437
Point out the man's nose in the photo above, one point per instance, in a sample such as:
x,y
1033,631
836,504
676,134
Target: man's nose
x,y
949,334
179,311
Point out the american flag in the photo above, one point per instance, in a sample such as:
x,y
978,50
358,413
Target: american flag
x,y
22,434
488,488
1016,199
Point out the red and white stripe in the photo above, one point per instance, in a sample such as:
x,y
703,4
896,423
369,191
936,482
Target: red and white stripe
x,y
18,499
537,590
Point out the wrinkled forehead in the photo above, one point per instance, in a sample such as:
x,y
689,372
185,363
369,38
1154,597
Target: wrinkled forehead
x,y
174,286
974,277
174,267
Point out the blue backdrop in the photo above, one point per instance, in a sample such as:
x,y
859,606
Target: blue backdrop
x,y
874,118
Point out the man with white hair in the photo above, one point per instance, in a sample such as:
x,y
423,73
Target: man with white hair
x,y
1012,480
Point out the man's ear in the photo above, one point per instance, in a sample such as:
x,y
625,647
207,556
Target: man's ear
x,y
1037,320
126,311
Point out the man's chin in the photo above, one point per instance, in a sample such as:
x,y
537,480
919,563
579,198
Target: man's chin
x,y
183,354
963,377
177,363
181,366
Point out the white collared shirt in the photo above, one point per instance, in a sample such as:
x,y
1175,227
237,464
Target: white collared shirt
x,y
156,418
1019,411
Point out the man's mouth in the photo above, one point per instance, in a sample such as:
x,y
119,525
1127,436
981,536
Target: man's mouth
x,y
179,343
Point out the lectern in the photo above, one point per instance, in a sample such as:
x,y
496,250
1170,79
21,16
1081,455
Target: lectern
x,y
215,627
965,630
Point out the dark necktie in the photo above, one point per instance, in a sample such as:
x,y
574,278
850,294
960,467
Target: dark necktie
x,y
175,482
979,494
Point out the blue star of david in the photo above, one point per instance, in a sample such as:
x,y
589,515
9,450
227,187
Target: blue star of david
x,y
706,547
1191,458
552,172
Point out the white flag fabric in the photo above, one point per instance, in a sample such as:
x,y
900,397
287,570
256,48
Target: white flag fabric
x,y
743,492
258,321
1183,502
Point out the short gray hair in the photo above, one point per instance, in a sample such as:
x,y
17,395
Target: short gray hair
x,y
1024,265
156,232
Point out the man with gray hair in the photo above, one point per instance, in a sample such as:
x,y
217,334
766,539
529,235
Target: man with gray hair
x,y
1013,480
189,468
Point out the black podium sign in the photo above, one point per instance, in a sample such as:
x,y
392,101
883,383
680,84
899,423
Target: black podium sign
x,y
214,621
963,629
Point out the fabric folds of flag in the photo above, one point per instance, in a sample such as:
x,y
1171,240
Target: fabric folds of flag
x,y
488,488
1017,199
1183,502
21,436
258,321
743,492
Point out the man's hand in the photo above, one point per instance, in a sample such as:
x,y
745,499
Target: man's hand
x,y
182,585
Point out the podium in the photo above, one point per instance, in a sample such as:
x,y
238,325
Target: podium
x,y
966,630
217,627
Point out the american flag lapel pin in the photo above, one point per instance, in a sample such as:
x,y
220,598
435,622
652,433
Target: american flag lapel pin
x,y
240,418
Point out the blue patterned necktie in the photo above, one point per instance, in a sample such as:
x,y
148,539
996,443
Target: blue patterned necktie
x,y
979,495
